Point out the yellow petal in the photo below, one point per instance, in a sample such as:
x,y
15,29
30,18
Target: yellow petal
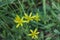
x,y
36,36
37,20
31,31
30,14
17,25
35,30
29,34
25,21
33,17
25,14
33,37
15,21
17,17
21,24
22,18
37,33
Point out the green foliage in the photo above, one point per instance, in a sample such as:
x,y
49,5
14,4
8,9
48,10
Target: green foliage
x,y
48,26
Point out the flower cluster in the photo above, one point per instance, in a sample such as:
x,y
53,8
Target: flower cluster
x,y
26,19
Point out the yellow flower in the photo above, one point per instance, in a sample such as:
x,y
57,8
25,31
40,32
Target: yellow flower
x,y
28,17
37,18
19,21
34,33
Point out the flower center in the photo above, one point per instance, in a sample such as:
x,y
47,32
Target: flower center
x,y
33,34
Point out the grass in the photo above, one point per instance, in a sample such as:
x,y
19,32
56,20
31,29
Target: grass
x,y
48,26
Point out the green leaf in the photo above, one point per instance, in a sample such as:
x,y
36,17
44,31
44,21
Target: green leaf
x,y
56,31
48,38
48,26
